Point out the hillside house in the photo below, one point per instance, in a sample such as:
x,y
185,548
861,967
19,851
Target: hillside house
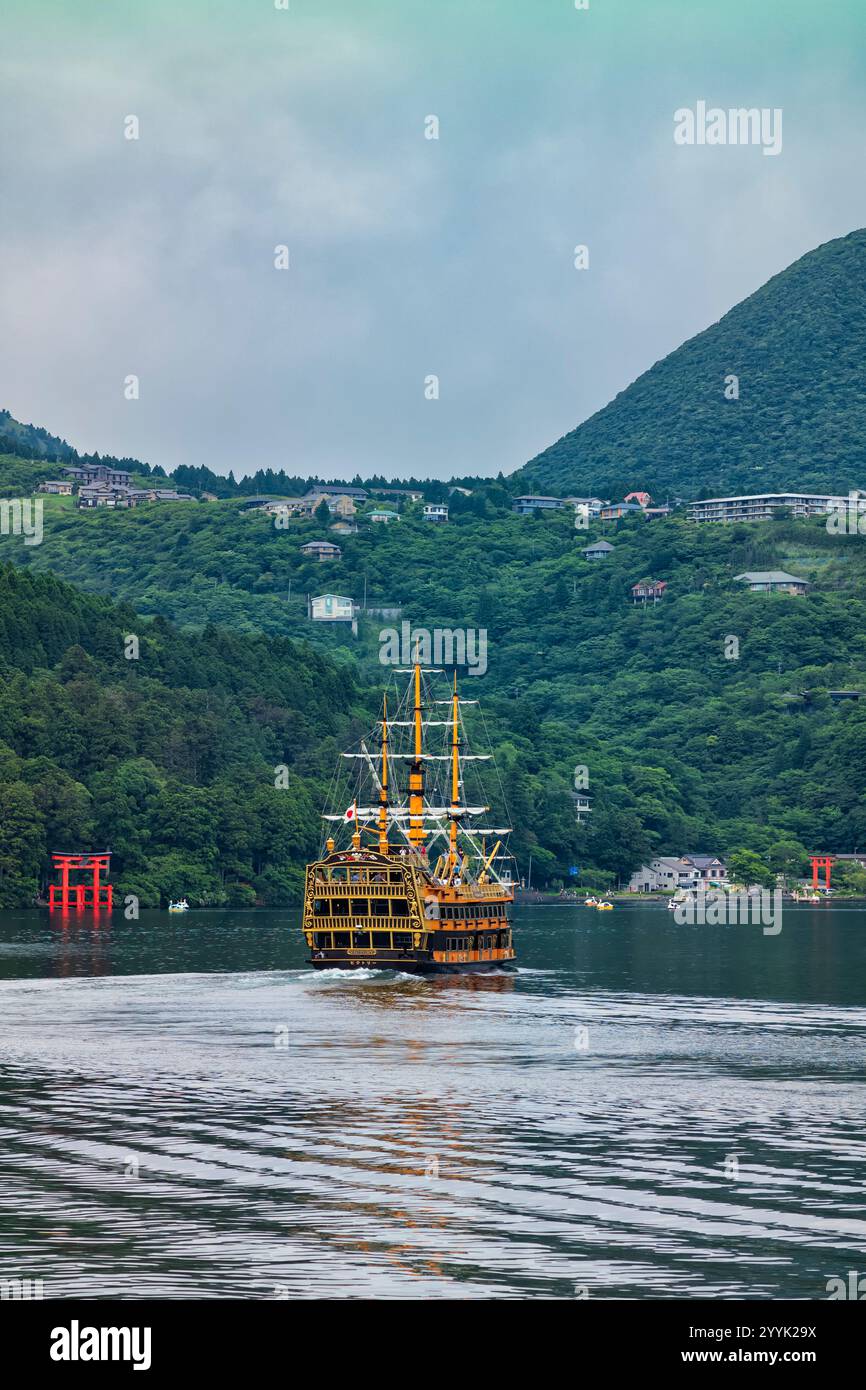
x,y
648,590
356,494
321,550
287,506
383,515
836,696
60,488
117,497
100,495
772,582
97,473
590,506
615,511
762,506
435,511
338,504
642,499
528,505
331,608
600,551
267,503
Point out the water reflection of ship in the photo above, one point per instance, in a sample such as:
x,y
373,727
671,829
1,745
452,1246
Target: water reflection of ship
x,y
391,1188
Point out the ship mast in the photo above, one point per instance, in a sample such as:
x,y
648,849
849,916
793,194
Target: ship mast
x,y
455,782
384,847
416,772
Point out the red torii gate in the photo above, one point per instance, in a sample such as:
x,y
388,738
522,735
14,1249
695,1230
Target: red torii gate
x,y
821,861
80,895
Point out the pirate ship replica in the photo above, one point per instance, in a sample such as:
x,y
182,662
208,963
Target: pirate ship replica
x,y
415,887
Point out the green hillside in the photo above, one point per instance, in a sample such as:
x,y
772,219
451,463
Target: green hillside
x,y
797,346
169,759
684,748
32,441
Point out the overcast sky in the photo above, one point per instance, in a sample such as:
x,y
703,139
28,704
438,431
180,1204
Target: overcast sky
x,y
408,256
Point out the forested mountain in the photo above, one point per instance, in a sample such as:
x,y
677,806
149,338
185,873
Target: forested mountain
x,y
169,758
797,347
685,748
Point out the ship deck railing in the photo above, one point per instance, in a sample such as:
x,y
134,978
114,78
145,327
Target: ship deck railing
x,y
347,922
326,889
499,891
486,892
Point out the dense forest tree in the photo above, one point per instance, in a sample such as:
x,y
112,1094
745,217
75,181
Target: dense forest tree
x,y
685,748
201,762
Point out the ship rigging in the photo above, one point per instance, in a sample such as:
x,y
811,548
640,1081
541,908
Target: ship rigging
x,y
419,886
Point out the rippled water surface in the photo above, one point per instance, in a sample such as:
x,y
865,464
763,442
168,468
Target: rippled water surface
x,y
643,1110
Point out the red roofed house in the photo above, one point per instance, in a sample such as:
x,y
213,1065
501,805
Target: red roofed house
x,y
648,590
643,499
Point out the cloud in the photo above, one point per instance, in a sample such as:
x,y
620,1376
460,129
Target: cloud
x,y
408,256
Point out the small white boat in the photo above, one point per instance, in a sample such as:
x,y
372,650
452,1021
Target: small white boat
x,y
680,896
605,907
591,902
182,906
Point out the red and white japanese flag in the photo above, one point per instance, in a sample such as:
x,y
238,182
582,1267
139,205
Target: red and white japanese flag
x,y
352,813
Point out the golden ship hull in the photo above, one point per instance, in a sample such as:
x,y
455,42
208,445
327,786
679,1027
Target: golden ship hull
x,y
367,910
388,906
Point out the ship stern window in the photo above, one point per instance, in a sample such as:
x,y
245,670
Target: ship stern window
x,y
360,907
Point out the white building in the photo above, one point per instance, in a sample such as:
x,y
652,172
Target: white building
x,y
591,506
667,873
760,506
435,511
331,608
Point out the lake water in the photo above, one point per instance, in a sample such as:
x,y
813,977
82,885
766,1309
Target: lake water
x,y
643,1110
